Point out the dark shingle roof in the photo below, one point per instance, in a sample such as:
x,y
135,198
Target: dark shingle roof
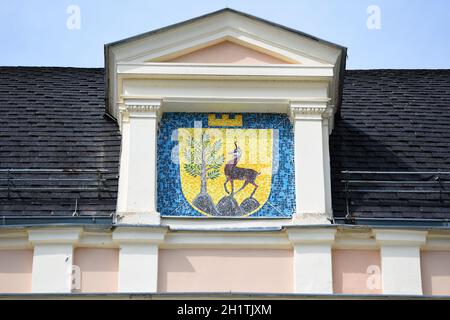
x,y
53,118
391,120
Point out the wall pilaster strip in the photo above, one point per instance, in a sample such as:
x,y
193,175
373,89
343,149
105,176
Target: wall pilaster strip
x,y
138,258
313,273
400,260
137,182
311,162
53,259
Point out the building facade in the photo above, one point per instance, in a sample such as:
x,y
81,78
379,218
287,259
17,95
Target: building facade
x,y
225,154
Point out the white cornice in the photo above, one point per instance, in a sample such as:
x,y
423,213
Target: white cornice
x,y
199,70
203,238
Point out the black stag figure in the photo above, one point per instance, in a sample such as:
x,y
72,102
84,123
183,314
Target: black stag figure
x,y
233,172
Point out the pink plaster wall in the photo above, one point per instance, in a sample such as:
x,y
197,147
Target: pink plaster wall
x,y
227,52
15,271
207,270
435,272
99,269
350,271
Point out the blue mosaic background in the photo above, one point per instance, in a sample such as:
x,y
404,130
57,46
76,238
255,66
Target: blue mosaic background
x,y
171,201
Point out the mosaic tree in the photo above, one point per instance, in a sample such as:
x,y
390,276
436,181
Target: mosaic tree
x,y
204,159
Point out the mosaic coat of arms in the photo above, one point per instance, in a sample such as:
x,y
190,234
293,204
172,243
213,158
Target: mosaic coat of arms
x,y
225,165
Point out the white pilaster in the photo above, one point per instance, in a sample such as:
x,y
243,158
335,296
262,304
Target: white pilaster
x,y
137,183
327,118
400,260
313,272
138,258
52,259
311,174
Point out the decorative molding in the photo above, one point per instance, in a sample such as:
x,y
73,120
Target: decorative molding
x,y
308,110
132,108
124,115
328,113
317,110
142,108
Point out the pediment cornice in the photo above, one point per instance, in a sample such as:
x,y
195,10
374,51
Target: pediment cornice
x,y
148,56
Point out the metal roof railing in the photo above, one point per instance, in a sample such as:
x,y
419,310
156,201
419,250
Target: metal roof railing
x,y
56,190
44,184
435,183
52,180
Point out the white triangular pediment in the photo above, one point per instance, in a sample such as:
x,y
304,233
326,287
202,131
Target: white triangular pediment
x,y
226,25
223,45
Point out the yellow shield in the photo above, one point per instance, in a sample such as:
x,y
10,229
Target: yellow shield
x,y
226,172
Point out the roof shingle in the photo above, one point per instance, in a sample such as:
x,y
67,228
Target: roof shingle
x,y
53,118
392,120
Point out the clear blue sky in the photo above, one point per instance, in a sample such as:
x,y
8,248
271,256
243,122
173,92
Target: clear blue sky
x,y
413,34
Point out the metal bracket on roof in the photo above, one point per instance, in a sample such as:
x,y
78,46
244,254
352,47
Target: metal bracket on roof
x,y
75,213
438,179
8,181
348,216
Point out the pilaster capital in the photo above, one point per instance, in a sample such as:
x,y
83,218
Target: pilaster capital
x,y
139,235
54,236
310,110
299,235
413,238
140,109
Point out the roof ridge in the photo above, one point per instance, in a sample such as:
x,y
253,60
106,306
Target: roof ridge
x,y
51,67
399,69
102,68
